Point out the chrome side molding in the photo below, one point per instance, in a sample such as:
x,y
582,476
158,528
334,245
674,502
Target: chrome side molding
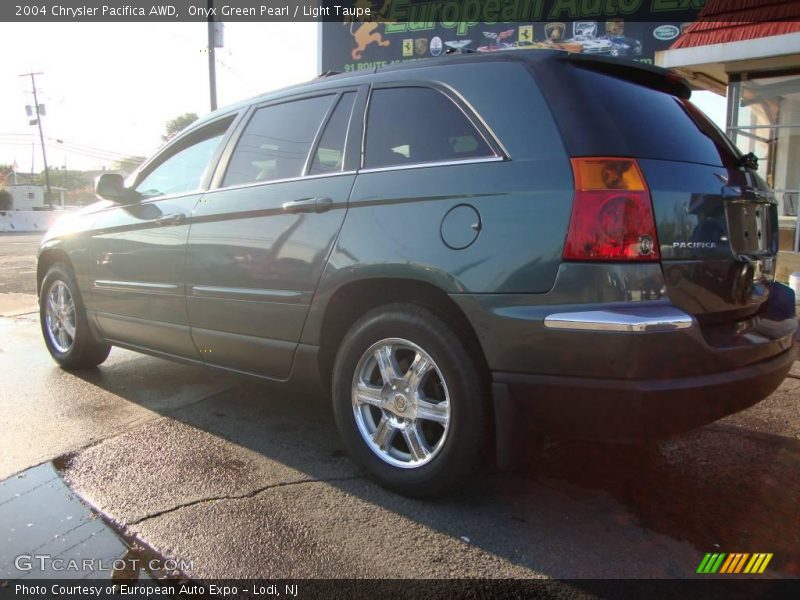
x,y
624,320
109,284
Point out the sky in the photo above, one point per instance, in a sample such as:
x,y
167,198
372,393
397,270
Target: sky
x,y
110,88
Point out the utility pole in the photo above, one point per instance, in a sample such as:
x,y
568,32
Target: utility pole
x,y
212,59
60,141
41,135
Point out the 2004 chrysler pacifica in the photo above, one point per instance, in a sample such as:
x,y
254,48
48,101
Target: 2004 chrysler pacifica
x,y
457,250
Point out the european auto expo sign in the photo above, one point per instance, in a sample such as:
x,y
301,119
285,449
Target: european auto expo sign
x,y
404,30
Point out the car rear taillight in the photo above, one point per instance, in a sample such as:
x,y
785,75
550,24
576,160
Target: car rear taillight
x,y
612,215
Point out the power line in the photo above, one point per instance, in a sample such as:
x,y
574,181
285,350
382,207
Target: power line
x,y
76,144
79,152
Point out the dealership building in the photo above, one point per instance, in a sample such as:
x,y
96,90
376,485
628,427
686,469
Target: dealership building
x,y
749,50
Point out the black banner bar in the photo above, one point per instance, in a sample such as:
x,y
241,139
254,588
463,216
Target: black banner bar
x,y
417,11
730,588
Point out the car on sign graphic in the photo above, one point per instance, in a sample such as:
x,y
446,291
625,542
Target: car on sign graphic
x,y
593,45
624,46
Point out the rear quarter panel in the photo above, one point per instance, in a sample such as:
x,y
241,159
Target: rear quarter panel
x,y
393,225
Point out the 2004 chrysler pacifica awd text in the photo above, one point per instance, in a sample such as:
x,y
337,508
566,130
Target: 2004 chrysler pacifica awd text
x,y
458,250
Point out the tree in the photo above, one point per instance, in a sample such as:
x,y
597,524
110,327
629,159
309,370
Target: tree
x,y
5,173
128,164
178,124
69,179
6,201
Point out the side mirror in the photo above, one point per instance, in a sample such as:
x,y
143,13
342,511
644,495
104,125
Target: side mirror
x,y
111,186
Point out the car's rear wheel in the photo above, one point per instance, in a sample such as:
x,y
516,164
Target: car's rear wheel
x,y
409,400
64,324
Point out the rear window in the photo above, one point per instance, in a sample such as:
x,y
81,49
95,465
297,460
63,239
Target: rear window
x,y
413,125
628,119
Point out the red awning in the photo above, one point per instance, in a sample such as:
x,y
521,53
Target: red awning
x,y
736,20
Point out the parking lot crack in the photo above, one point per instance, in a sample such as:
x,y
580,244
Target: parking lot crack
x,y
250,494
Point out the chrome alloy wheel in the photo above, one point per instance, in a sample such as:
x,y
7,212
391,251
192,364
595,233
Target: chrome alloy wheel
x,y
60,317
401,403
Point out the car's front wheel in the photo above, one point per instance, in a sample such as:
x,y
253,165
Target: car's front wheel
x,y
409,400
64,324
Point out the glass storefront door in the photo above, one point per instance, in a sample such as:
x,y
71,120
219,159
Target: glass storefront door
x,y
764,118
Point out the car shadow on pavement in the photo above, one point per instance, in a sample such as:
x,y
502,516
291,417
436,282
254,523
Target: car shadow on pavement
x,y
577,509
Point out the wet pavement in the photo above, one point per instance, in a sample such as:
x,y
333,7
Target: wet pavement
x,y
237,479
18,263
48,532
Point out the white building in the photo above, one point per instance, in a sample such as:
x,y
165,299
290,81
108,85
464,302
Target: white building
x,y
32,197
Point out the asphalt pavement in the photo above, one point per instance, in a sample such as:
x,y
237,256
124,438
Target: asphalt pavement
x,y
237,479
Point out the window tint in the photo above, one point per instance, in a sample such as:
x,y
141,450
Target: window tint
x,y
649,123
276,141
330,152
415,125
183,170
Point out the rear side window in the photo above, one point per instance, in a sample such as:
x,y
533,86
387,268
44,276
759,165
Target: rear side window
x,y
276,141
648,123
329,155
417,125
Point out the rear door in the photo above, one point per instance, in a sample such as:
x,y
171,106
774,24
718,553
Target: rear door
x,y
261,236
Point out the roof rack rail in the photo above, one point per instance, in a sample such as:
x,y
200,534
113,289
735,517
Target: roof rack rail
x,y
329,73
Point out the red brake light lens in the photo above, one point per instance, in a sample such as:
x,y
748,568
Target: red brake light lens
x,y
612,214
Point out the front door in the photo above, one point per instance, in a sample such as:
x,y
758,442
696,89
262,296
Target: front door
x,y
138,250
259,241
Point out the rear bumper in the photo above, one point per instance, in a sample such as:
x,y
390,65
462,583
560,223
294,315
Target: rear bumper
x,y
624,370
629,409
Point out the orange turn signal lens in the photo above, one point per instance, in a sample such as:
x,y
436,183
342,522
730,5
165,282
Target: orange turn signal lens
x,y
612,213
597,174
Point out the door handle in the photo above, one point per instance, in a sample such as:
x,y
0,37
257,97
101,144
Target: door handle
x,y
171,219
315,205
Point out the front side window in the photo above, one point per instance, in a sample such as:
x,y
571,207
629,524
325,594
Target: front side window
x,y
182,171
417,125
276,141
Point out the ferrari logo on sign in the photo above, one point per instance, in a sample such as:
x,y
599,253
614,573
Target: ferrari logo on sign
x,y
408,47
526,33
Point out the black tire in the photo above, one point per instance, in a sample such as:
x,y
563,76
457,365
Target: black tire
x,y
85,351
462,449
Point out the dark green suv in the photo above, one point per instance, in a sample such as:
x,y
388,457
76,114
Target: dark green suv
x,y
460,251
